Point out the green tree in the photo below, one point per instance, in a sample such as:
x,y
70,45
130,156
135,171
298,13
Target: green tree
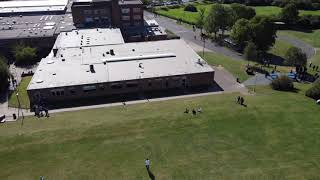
x,y
240,11
201,19
146,2
263,33
250,52
290,13
25,55
4,74
295,57
219,18
241,32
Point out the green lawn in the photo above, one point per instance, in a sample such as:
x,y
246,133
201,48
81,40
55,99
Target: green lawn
x,y
280,48
275,137
191,17
23,96
312,38
235,67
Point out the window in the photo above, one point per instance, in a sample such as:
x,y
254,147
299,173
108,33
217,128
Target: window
x,y
116,86
89,88
125,10
96,11
126,24
103,11
137,23
87,11
137,17
126,18
53,93
132,84
136,10
57,92
101,86
149,84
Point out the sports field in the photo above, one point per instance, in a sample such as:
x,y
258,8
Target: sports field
x,y
275,137
191,17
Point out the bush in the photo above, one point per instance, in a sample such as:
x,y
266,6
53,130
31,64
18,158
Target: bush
x,y
164,8
295,57
314,91
190,8
282,83
176,6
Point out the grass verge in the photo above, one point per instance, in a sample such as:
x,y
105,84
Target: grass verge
x,y
23,96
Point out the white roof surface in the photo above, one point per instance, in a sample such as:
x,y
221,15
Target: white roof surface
x,y
32,6
89,37
158,59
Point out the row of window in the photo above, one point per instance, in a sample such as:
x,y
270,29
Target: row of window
x,y
127,10
92,88
127,18
96,11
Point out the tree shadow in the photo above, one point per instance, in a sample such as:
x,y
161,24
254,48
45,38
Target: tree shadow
x,y
274,59
151,175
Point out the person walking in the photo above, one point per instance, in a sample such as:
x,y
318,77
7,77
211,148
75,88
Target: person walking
x,y
147,164
238,100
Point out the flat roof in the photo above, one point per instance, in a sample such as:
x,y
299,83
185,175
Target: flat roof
x,y
17,27
131,61
89,37
32,6
125,2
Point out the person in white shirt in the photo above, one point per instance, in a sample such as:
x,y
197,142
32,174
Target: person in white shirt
x,y
147,164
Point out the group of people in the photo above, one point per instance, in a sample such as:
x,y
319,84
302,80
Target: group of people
x,y
194,112
38,111
314,67
240,100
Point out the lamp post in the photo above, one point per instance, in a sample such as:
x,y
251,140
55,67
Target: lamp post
x,y
19,107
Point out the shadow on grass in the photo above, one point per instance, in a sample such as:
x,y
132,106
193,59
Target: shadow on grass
x,y
275,60
151,175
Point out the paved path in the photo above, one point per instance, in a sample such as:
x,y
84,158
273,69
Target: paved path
x,y
258,79
188,35
306,48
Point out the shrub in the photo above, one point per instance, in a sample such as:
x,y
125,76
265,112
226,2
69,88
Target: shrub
x,y
314,91
295,57
176,6
190,8
282,83
164,8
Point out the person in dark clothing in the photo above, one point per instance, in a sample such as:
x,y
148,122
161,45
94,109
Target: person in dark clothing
x,y
186,111
238,100
241,100
194,112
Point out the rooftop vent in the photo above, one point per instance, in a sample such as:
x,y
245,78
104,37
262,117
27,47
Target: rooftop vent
x,y
92,68
55,51
112,52
66,34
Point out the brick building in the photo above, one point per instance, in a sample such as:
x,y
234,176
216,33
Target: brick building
x,y
104,13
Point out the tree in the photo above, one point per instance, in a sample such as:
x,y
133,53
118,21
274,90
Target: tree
x,y
314,91
241,32
24,55
201,18
295,57
146,2
240,11
190,8
250,52
4,74
263,33
219,18
290,13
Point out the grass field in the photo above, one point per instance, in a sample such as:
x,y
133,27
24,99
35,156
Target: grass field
x,y
191,17
280,48
312,38
235,67
23,96
275,137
